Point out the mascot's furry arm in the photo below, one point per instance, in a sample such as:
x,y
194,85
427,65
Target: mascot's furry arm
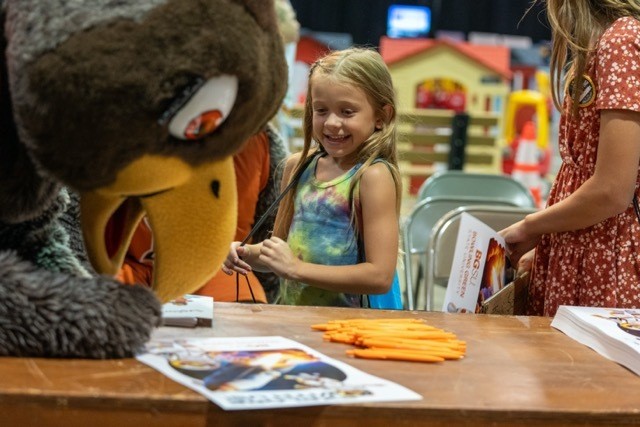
x,y
278,153
137,106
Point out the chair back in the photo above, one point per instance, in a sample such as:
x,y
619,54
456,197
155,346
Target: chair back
x,y
416,232
458,183
442,242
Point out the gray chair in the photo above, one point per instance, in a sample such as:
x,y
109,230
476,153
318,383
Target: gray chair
x,y
416,232
458,183
441,244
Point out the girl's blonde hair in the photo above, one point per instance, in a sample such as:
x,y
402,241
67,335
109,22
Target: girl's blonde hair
x,y
576,26
365,69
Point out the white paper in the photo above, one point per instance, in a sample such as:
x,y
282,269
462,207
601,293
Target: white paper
x,y
188,311
612,332
266,372
478,268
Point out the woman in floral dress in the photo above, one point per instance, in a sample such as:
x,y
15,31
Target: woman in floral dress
x,y
587,240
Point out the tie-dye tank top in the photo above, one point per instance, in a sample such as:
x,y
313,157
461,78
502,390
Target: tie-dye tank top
x,y
321,232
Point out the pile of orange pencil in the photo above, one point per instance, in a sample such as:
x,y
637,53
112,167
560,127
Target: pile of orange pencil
x,y
394,339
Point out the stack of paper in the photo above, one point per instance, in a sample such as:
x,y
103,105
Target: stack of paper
x,y
612,332
188,311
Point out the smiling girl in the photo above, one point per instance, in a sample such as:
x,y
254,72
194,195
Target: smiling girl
x,y
336,234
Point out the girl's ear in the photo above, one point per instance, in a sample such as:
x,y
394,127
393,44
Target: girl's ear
x,y
387,113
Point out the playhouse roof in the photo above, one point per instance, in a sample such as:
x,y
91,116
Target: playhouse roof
x,y
309,49
495,58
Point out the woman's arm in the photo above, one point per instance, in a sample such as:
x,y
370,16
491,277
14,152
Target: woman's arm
x,y
605,194
380,234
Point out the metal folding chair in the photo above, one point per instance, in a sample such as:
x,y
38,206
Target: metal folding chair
x,y
416,233
457,183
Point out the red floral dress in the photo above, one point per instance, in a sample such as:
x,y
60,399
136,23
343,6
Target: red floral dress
x,y
599,265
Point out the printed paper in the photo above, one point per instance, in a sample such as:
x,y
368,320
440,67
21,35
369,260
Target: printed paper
x,y
266,372
478,268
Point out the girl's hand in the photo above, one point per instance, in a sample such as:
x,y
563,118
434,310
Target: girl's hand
x,y
234,261
518,241
277,256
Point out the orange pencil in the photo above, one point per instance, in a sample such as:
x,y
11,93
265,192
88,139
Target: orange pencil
x,y
445,354
389,355
426,345
414,334
410,343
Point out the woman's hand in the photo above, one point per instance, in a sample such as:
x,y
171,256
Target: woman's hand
x,y
525,264
277,256
519,242
234,261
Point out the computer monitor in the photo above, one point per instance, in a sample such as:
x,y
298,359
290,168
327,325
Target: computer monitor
x,y
408,21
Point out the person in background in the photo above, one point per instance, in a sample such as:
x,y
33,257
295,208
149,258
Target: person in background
x,y
336,233
587,240
256,167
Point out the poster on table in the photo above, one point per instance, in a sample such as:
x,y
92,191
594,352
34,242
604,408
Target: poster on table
x,y
478,267
265,372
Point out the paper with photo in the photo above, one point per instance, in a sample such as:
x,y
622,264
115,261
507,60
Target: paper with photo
x,y
612,332
266,372
478,267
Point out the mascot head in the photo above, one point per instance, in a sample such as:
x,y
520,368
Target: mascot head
x,y
138,106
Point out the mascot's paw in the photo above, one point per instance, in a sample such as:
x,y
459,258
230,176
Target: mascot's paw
x,y
58,315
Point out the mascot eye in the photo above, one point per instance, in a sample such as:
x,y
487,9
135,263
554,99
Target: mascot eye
x,y
205,111
203,125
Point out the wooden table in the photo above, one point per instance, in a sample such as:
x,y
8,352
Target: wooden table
x,y
518,371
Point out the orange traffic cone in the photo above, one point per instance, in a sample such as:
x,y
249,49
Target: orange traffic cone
x,y
526,167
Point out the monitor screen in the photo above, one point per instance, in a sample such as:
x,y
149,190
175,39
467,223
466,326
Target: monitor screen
x,y
408,21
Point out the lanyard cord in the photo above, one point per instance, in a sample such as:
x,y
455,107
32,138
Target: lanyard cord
x,y
266,215
276,202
